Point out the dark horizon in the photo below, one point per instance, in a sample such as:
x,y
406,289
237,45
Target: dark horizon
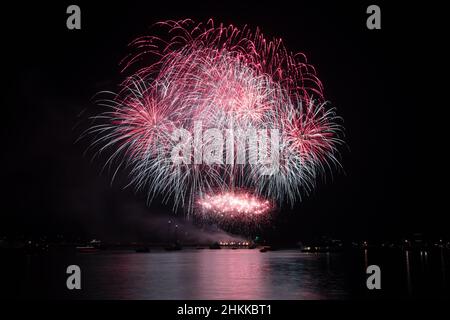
x,y
50,186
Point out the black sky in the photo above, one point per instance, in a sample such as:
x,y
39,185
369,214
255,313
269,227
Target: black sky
x,y
379,81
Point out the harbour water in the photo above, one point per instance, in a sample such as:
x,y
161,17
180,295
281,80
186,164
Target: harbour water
x,y
230,274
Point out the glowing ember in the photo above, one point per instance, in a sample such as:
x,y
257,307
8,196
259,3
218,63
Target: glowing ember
x,y
235,204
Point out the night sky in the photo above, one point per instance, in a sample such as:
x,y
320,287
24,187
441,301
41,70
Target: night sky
x,y
379,81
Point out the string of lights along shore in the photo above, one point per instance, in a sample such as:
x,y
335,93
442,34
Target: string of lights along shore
x,y
218,120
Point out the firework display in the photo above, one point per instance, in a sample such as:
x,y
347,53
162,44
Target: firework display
x,y
218,119
231,203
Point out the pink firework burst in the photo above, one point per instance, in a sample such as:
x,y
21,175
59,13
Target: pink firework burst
x,y
231,204
231,80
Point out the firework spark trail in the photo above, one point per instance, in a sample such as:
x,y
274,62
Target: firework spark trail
x,y
234,203
221,77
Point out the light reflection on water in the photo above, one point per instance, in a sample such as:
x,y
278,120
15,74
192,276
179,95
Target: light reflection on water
x,y
227,274
213,274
